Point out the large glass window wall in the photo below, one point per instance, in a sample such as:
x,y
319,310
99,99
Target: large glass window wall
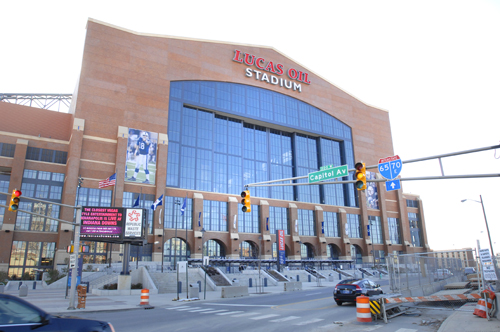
x,y
331,224
173,217
215,143
414,220
394,230
354,226
306,222
376,229
215,216
278,220
248,222
29,258
46,186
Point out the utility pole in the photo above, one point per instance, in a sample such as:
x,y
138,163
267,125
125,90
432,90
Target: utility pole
x,y
74,271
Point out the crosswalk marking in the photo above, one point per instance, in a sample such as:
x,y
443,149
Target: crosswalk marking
x,y
183,309
213,312
264,317
229,313
246,314
309,321
406,330
200,310
175,308
285,319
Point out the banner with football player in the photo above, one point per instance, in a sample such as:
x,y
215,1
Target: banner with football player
x,y
141,156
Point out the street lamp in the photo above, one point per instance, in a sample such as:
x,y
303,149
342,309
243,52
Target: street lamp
x,y
203,262
493,257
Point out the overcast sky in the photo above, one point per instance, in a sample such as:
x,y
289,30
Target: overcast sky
x,y
433,65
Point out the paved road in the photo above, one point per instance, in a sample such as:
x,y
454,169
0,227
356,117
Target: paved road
x,y
308,310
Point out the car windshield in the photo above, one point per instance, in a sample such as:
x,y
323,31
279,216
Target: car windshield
x,y
13,312
349,281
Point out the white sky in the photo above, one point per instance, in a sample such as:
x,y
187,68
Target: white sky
x,y
434,65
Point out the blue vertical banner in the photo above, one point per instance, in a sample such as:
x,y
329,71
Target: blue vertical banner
x,y
267,224
322,227
199,219
79,272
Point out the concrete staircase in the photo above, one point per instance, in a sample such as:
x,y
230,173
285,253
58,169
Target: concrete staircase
x,y
166,282
276,275
315,273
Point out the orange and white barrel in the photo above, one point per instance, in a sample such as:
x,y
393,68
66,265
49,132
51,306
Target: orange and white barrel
x,y
484,304
144,297
363,314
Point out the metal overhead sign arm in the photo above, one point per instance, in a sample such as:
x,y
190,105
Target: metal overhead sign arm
x,y
443,177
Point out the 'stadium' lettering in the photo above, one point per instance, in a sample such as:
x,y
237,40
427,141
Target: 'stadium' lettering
x,y
271,79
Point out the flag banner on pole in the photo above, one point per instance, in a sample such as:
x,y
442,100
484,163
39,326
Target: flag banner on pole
x,y
111,181
183,208
137,201
159,201
199,219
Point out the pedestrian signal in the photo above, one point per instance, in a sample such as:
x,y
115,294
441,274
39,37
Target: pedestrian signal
x,y
247,205
14,200
360,176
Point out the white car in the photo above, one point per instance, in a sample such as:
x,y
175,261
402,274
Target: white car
x,y
442,274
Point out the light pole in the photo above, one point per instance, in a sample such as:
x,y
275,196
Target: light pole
x,y
493,257
176,202
203,262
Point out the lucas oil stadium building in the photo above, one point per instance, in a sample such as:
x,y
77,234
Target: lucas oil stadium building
x,y
196,121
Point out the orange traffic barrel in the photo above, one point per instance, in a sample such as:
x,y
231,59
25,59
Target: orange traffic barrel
x,y
363,314
144,297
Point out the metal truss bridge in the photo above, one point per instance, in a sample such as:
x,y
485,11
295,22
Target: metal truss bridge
x,y
49,101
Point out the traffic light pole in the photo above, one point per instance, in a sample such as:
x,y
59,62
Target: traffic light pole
x,y
74,270
76,240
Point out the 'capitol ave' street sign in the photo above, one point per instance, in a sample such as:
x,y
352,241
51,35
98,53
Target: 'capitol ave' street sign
x,y
328,173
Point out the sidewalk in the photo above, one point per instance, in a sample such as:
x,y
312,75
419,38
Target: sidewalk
x,y
54,301
465,321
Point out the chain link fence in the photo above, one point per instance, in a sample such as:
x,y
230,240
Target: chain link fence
x,y
444,278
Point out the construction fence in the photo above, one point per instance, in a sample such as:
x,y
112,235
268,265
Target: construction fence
x,y
418,276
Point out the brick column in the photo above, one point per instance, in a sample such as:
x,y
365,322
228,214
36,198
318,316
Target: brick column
x,y
65,234
232,226
345,248
9,221
294,231
318,216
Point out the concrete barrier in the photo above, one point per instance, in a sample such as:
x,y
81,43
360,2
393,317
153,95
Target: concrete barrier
x,y
292,286
234,291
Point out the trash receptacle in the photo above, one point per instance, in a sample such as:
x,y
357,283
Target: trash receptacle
x,y
2,288
194,291
23,290
330,278
236,282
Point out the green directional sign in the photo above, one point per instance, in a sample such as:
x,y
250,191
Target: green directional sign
x,y
328,173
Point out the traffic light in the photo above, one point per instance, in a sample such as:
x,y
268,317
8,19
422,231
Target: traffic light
x,y
14,200
247,205
360,176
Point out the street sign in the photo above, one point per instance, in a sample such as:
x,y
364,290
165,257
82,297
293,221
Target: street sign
x,y
390,167
487,263
393,185
327,173
72,261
